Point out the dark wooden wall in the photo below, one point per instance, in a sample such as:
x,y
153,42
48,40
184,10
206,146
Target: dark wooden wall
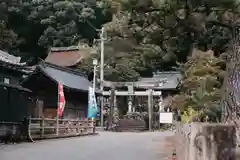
x,y
14,104
13,75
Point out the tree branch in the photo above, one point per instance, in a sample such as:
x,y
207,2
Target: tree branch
x,y
217,23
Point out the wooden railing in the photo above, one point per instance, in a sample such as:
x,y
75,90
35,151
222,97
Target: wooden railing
x,y
41,128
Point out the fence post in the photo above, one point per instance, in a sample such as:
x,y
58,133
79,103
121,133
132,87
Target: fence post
x,y
29,123
93,127
42,127
57,125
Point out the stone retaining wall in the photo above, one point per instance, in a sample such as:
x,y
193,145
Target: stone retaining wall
x,y
203,141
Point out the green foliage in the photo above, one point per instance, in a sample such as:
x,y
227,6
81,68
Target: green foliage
x,y
200,89
189,114
60,20
8,38
116,68
166,31
143,36
163,33
59,23
202,68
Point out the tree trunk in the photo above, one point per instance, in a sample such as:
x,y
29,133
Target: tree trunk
x,y
231,92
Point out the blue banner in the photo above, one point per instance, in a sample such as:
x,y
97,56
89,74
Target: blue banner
x,y
92,104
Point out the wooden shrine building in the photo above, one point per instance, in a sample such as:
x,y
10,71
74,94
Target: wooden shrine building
x,y
11,69
15,99
69,57
44,84
29,95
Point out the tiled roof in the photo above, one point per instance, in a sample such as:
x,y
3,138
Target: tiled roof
x,y
5,57
18,87
66,56
68,77
163,81
13,62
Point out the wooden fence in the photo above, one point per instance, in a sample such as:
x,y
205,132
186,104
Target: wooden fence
x,y
203,141
41,128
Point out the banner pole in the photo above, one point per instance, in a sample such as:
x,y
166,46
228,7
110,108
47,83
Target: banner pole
x,y
57,129
57,118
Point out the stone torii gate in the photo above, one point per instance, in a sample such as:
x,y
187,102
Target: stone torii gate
x,y
152,87
148,92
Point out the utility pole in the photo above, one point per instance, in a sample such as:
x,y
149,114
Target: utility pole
x,y
102,74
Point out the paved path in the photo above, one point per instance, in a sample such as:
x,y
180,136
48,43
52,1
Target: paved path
x,y
106,146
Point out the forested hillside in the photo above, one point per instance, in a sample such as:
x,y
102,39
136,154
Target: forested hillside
x,y
142,37
37,25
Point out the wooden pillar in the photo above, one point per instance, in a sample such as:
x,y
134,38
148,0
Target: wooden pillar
x,y
42,127
39,109
150,107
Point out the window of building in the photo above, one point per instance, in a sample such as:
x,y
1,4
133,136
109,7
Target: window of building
x,y
14,81
7,80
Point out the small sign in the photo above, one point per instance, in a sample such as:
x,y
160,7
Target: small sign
x,y
130,89
166,117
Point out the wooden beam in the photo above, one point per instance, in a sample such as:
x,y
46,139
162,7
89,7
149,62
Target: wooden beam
x,y
136,93
138,84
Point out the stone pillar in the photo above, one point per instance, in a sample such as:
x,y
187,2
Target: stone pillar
x,y
134,108
130,104
130,91
160,103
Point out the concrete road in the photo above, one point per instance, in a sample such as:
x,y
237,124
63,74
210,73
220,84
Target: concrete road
x,y
106,146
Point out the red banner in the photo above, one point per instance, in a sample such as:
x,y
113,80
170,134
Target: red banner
x,y
61,100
